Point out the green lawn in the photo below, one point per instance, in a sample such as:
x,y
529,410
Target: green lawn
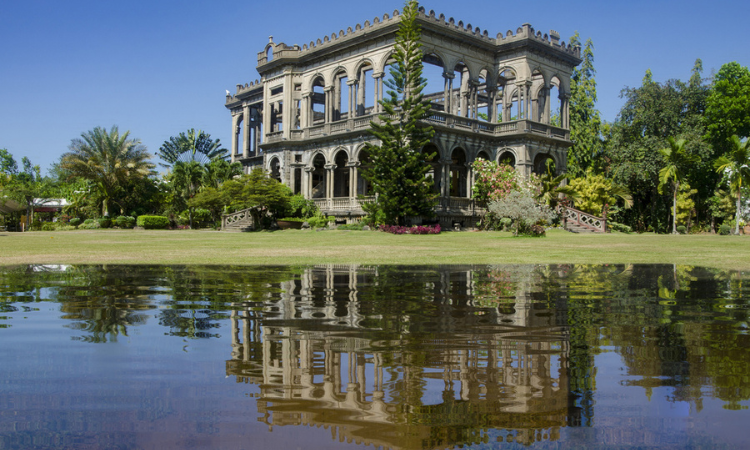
x,y
357,247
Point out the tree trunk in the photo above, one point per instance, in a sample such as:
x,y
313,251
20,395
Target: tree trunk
x,y
674,208
737,215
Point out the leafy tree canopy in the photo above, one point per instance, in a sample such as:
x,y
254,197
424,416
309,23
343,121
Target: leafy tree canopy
x,y
728,106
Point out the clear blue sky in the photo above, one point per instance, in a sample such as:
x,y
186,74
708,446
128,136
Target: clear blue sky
x,y
160,67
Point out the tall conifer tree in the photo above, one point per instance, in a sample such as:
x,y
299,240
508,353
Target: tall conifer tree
x,y
585,122
398,168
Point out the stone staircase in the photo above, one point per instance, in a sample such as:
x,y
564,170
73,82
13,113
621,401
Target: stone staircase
x,y
580,222
238,222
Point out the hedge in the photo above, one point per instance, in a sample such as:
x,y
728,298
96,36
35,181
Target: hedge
x,y
153,222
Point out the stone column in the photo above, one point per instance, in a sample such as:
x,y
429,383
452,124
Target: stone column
x,y
361,94
565,111
246,135
352,98
329,104
235,130
547,101
353,179
329,179
448,91
307,183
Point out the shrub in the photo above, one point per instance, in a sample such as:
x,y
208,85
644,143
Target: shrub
x,y
125,222
89,224
521,207
75,222
48,226
319,220
614,226
153,222
105,222
535,231
352,226
725,229
682,229
395,229
299,206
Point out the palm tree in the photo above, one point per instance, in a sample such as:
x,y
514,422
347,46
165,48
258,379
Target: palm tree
x,y
736,163
186,179
677,159
219,171
193,146
108,159
551,188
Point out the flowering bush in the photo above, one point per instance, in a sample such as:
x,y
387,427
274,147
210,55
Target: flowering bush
x,y
493,181
395,229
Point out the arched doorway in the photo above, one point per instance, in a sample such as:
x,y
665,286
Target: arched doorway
x,y
341,175
458,172
507,158
318,177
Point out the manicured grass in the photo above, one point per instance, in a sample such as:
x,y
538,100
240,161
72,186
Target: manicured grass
x,y
358,247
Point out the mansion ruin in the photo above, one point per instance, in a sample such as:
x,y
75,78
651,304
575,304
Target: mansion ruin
x,y
502,98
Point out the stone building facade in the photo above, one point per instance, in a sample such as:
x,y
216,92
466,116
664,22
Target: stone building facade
x,y
502,98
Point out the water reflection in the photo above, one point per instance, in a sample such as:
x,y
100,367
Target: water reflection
x,y
433,357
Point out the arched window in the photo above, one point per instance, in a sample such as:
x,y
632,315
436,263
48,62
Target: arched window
x,y
275,169
319,178
458,174
507,158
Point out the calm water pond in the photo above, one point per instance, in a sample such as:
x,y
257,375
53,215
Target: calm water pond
x,y
341,357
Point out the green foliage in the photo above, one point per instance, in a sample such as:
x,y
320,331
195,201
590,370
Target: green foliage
x,y
210,200
108,160
153,222
525,212
685,204
191,146
678,160
622,228
736,165
352,226
595,191
299,206
124,222
585,122
8,165
75,222
651,113
186,179
319,220
105,222
725,230
89,224
727,110
398,167
682,229
218,171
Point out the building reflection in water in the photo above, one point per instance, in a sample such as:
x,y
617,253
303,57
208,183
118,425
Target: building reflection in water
x,y
361,351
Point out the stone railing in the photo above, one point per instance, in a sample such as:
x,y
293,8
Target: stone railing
x,y
437,118
239,218
340,204
573,216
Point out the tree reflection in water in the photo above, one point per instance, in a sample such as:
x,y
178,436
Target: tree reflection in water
x,y
427,357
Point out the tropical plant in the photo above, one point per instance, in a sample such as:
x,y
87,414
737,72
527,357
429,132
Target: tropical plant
x,y
108,159
678,159
398,166
191,146
219,170
186,179
551,188
736,164
595,192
